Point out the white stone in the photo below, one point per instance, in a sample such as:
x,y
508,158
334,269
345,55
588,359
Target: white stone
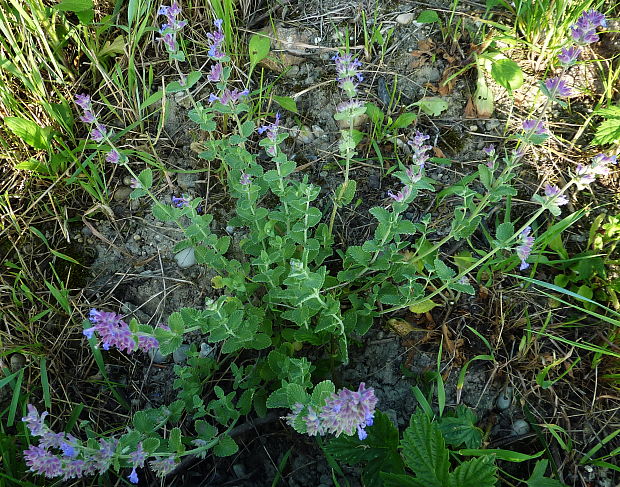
x,y
520,427
186,258
405,19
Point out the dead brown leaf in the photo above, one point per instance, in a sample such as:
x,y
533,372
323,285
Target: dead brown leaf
x,y
401,327
470,109
439,153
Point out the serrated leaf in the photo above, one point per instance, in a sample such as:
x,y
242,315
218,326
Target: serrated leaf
x,y
399,480
425,452
442,270
607,132
381,214
507,73
479,472
258,48
322,391
225,447
504,231
286,102
346,191
296,394
461,429
174,440
432,105
278,399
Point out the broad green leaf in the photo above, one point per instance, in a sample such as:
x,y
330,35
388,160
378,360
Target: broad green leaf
x,y
286,102
117,46
507,73
607,132
404,120
423,306
425,452
479,472
428,17
375,114
322,391
399,480
504,231
174,440
83,9
154,98
432,105
538,479
278,399
225,447
461,429
258,48
29,132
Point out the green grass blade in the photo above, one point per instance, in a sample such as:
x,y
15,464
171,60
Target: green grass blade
x,y
45,385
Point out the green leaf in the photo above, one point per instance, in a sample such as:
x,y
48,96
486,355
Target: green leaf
x,y
225,447
479,472
286,102
296,394
346,192
507,73
538,479
432,105
428,17
425,452
258,48
442,270
461,429
278,399
174,440
83,9
404,120
143,422
117,46
399,480
154,98
607,132
422,306
29,132
504,232
322,391
508,455
375,114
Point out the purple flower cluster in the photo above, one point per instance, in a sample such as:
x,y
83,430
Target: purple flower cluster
x,y
61,454
536,127
216,39
347,73
584,30
216,73
599,166
420,149
557,87
169,29
525,248
181,201
99,133
245,179
569,55
271,130
163,466
229,97
345,412
414,173
553,192
114,332
401,195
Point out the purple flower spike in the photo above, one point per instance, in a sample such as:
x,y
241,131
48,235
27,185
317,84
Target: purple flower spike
x,y
112,331
113,156
349,412
99,133
216,73
216,40
88,117
535,126
558,87
584,30
524,250
83,101
163,466
420,150
348,76
34,421
489,150
569,55
43,462
594,18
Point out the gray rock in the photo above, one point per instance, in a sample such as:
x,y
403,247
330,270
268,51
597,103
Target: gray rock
x,y
122,193
17,362
504,400
156,356
206,350
520,427
180,354
186,258
186,180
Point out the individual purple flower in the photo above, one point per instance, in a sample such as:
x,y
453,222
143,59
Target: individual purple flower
x,y
83,101
34,421
216,73
420,150
347,73
113,156
594,18
102,459
74,469
271,128
348,411
414,173
524,250
313,422
216,38
99,133
245,179
598,167
552,191
603,161
401,196
147,342
489,150
163,466
135,184
558,87
181,201
43,462
534,126
133,476
88,117
569,55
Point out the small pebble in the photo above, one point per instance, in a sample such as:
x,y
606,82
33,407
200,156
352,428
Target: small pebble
x,y
122,193
405,19
317,131
206,350
137,237
520,427
186,258
17,362
230,229
156,356
473,128
504,400
127,180
180,354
